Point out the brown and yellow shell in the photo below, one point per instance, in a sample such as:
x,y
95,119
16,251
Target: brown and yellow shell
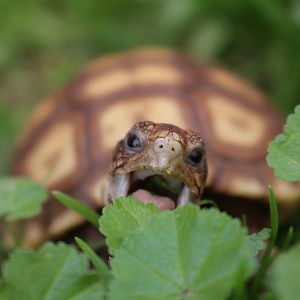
x,y
68,142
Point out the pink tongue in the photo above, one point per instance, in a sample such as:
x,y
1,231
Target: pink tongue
x,y
163,203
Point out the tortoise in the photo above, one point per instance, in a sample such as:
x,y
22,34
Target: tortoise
x,y
68,143
157,163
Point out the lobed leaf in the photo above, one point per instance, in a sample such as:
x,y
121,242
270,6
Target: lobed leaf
x,y
284,150
125,215
54,272
181,254
20,198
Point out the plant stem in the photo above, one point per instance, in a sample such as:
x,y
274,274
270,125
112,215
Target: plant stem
x,y
267,259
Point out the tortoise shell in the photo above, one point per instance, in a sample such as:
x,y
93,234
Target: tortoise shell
x,y
68,142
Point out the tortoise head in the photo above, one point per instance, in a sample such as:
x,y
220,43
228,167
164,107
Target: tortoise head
x,y
159,158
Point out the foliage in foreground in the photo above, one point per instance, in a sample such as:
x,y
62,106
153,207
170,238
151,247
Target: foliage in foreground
x,y
181,254
187,253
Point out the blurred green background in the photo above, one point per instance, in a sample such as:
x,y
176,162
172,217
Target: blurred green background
x,y
43,43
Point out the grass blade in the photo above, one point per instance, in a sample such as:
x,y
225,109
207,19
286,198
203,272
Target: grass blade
x,y
89,214
274,215
99,264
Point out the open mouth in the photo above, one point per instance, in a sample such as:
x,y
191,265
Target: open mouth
x,y
165,191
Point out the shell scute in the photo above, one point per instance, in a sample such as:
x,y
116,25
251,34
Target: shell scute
x,y
55,156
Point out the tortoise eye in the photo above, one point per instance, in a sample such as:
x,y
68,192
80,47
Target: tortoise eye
x,y
195,157
133,142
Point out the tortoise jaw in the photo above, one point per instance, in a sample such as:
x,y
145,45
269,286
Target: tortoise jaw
x,y
185,196
136,182
117,186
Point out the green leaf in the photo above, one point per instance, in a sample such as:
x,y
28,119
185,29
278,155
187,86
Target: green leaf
x,y
125,215
87,213
284,151
20,198
284,276
99,264
187,253
54,272
256,240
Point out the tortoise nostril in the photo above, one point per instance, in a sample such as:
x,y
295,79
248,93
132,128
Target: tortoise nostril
x,y
160,146
173,149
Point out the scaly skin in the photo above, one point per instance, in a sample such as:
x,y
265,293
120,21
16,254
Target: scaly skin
x,y
162,149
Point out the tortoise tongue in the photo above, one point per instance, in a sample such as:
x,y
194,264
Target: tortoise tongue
x,y
163,203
